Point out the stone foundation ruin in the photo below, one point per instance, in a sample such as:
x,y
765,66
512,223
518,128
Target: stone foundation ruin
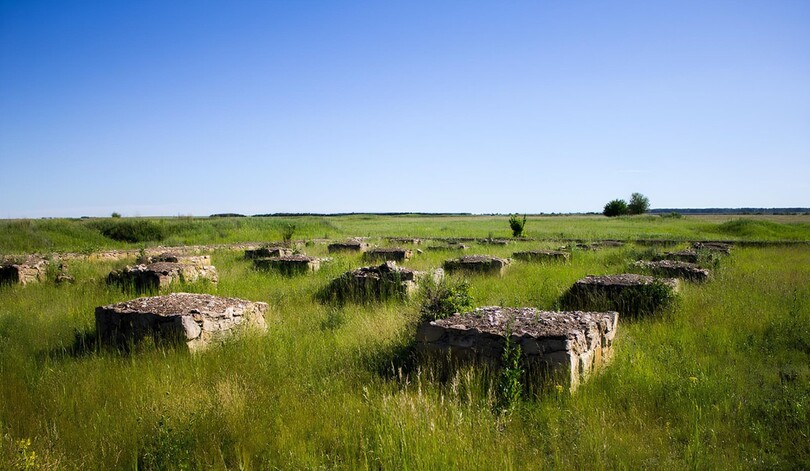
x,y
289,265
160,275
192,319
24,270
376,283
567,345
349,246
675,269
477,264
542,256
630,294
268,252
394,254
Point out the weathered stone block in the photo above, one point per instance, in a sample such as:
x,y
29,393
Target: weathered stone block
x,y
23,270
542,256
686,255
716,247
349,246
376,283
395,254
570,345
675,269
268,252
289,265
477,264
630,294
173,257
405,240
458,246
193,319
160,275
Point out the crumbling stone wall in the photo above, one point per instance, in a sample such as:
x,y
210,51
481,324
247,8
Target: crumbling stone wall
x,y
195,320
569,345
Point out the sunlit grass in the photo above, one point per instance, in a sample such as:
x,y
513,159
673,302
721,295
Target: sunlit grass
x,y
719,381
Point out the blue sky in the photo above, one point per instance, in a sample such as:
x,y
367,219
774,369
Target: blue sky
x,y
199,107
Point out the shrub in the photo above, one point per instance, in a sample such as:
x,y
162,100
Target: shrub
x,y
443,299
287,231
639,204
517,225
116,215
139,230
617,207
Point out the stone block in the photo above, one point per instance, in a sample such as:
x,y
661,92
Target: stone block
x,y
542,256
191,319
570,345
394,254
675,269
630,294
376,283
23,270
289,265
268,252
160,275
477,264
353,245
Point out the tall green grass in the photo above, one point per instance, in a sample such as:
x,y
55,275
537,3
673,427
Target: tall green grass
x,y
721,380
84,235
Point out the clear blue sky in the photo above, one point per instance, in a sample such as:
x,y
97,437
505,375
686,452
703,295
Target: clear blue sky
x,y
198,107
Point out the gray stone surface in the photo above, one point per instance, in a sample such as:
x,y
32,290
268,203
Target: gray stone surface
x,y
376,283
23,270
289,265
193,319
717,247
570,344
687,255
175,257
267,252
675,269
395,254
405,240
477,264
542,256
160,275
630,294
353,245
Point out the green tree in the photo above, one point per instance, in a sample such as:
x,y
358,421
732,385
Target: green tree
x,y
639,204
616,207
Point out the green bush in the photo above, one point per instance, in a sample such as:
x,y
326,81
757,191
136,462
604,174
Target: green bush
x,y
617,207
138,230
517,225
443,299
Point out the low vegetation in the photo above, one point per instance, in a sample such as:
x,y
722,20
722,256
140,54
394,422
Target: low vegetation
x,y
720,379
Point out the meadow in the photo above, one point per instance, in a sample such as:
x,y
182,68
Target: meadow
x,y
721,379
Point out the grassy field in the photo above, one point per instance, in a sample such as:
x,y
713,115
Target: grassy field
x,y
86,235
720,380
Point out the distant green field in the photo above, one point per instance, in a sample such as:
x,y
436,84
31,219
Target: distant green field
x,y
85,235
721,380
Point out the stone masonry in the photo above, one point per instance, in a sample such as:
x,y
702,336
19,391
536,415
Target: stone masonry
x,y
477,264
569,345
675,269
268,252
542,256
193,319
30,269
376,283
395,254
629,294
288,265
160,275
353,245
